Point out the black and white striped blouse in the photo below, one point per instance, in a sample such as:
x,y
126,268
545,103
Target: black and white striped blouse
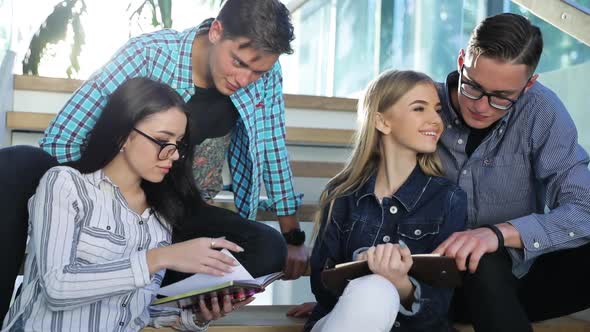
x,y
86,268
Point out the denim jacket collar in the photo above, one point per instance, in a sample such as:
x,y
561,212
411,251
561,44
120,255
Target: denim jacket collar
x,y
408,194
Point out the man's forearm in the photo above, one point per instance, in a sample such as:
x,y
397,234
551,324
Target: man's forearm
x,y
288,223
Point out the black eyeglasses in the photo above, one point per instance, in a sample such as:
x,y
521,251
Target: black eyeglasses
x,y
473,91
166,149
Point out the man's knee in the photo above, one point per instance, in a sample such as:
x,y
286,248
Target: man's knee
x,y
493,271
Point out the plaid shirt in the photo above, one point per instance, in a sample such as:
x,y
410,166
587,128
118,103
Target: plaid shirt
x,y
257,152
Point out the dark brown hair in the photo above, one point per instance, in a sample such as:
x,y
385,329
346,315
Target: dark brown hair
x,y
508,37
266,23
133,101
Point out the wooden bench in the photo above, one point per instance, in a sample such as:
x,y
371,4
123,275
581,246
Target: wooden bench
x,y
273,319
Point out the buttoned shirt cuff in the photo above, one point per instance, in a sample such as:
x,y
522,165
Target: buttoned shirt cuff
x,y
415,308
534,237
140,269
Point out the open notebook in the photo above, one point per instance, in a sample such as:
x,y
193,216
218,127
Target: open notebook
x,y
186,293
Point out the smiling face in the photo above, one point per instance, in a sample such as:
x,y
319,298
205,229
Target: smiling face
x,y
232,63
492,76
141,153
413,122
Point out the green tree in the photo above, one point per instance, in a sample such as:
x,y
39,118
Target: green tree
x,y
67,15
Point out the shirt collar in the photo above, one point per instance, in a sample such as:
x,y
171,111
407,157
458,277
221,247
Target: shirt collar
x,y
184,69
98,177
450,83
452,116
408,194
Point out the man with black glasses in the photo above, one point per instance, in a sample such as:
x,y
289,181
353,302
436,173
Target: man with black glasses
x,y
511,145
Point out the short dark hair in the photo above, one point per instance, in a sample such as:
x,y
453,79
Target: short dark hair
x,y
507,37
133,101
266,23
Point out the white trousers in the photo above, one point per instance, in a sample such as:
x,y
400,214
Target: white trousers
x,y
368,304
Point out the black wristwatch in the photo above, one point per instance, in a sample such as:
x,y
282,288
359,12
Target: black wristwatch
x,y
295,237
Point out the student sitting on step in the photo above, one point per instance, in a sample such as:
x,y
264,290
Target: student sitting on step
x,y
389,201
100,228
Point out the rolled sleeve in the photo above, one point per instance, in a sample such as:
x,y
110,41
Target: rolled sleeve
x,y
415,308
139,268
178,319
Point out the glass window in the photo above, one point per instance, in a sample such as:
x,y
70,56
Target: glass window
x,y
5,27
564,66
371,36
354,61
308,70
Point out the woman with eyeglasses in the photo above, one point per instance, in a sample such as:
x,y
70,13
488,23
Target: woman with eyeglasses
x,y
101,227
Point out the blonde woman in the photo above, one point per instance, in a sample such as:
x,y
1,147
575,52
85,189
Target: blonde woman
x,y
387,203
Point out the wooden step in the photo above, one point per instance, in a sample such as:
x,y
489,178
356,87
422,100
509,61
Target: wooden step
x,y
65,85
273,319
37,122
562,324
306,212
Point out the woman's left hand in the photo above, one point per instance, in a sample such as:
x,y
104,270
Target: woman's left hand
x,y
215,310
393,262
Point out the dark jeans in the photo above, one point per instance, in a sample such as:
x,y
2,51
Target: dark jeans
x,y
21,168
265,250
492,299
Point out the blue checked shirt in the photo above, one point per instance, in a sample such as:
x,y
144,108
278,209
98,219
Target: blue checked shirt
x,y
529,161
257,151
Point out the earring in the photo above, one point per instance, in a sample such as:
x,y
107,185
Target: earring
x,y
122,150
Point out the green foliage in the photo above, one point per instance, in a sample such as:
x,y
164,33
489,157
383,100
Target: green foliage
x,y
68,14
79,39
54,30
166,12
164,7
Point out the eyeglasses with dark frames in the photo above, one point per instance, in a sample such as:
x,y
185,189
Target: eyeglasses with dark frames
x,y
166,149
473,91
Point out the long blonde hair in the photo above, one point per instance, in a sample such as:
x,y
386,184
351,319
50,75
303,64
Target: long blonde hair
x,y
380,95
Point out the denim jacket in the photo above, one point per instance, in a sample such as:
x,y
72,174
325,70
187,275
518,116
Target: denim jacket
x,y
423,212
